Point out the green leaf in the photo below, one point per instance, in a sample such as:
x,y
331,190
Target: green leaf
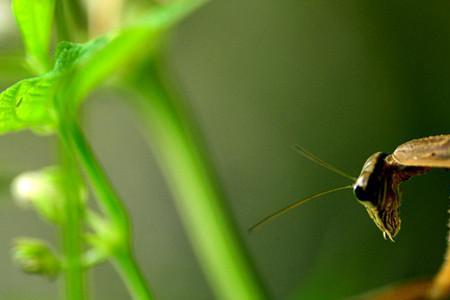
x,y
25,105
34,18
29,103
79,68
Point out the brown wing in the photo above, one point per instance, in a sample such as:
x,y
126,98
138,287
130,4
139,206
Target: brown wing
x,y
432,151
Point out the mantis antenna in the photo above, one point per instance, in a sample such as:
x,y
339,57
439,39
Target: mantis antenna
x,y
284,210
305,153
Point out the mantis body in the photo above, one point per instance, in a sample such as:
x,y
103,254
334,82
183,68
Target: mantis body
x,y
377,187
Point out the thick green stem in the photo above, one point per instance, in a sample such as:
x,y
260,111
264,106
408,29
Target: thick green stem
x,y
68,12
75,283
200,204
113,208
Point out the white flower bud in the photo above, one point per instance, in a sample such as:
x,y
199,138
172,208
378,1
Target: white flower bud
x,y
42,191
29,186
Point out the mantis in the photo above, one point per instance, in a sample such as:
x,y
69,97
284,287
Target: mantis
x,y
377,188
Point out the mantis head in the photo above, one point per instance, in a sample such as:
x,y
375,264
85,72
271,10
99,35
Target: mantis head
x,y
378,192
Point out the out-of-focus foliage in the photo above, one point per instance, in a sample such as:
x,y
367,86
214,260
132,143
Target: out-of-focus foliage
x,y
35,20
343,79
36,257
28,102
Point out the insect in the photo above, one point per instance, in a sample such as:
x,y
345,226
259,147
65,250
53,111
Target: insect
x,y
377,187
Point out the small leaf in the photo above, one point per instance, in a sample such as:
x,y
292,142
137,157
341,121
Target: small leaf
x,y
70,54
27,104
34,18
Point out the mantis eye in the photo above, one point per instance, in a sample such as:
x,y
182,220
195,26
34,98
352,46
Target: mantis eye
x,y
371,183
368,192
360,193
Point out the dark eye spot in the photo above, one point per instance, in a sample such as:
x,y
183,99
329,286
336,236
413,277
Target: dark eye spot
x,y
360,193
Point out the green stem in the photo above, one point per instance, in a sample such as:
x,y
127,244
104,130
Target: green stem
x,y
113,208
107,197
75,279
199,202
134,280
75,284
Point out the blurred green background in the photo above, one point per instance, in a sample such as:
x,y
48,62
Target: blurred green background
x,y
342,78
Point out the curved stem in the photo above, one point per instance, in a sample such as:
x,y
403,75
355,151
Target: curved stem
x,y
112,205
129,271
197,197
107,197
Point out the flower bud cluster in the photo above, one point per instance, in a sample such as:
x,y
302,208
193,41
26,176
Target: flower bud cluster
x,y
36,257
